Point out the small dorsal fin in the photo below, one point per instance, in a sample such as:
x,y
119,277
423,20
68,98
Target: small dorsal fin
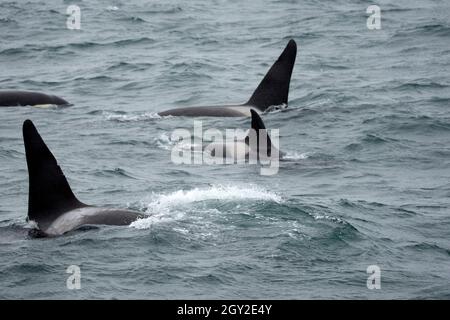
x,y
259,128
274,88
49,192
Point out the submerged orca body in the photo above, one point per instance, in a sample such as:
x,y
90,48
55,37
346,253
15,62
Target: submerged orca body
x,y
51,202
272,91
261,147
16,98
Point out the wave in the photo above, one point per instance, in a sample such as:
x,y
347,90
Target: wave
x,y
77,45
420,84
114,172
426,246
7,21
216,192
112,8
437,29
170,10
393,124
129,66
165,207
130,117
163,141
294,155
329,218
134,19
374,139
10,153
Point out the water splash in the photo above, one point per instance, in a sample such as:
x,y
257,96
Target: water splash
x,y
130,117
112,8
172,206
294,155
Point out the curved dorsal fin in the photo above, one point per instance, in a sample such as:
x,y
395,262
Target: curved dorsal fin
x,y
49,192
274,88
259,128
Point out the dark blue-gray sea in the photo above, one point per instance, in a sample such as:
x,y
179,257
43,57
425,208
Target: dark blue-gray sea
x,y
365,180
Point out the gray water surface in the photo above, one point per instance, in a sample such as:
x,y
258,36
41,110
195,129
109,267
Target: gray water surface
x,y
367,137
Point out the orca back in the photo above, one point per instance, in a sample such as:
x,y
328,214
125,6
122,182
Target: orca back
x,y
14,98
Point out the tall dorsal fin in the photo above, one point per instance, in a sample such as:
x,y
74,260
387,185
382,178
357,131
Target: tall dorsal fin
x,y
259,128
49,192
274,88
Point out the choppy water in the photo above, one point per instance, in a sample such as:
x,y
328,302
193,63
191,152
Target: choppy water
x,y
367,134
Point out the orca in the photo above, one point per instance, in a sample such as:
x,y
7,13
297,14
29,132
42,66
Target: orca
x,y
51,202
271,92
255,145
15,98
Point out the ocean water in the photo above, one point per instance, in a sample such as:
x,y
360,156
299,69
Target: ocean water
x,y
367,136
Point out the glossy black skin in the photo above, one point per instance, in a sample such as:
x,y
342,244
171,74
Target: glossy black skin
x,y
15,98
214,111
273,90
51,202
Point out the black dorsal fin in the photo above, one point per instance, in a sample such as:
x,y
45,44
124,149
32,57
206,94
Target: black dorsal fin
x,y
274,88
259,128
49,192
